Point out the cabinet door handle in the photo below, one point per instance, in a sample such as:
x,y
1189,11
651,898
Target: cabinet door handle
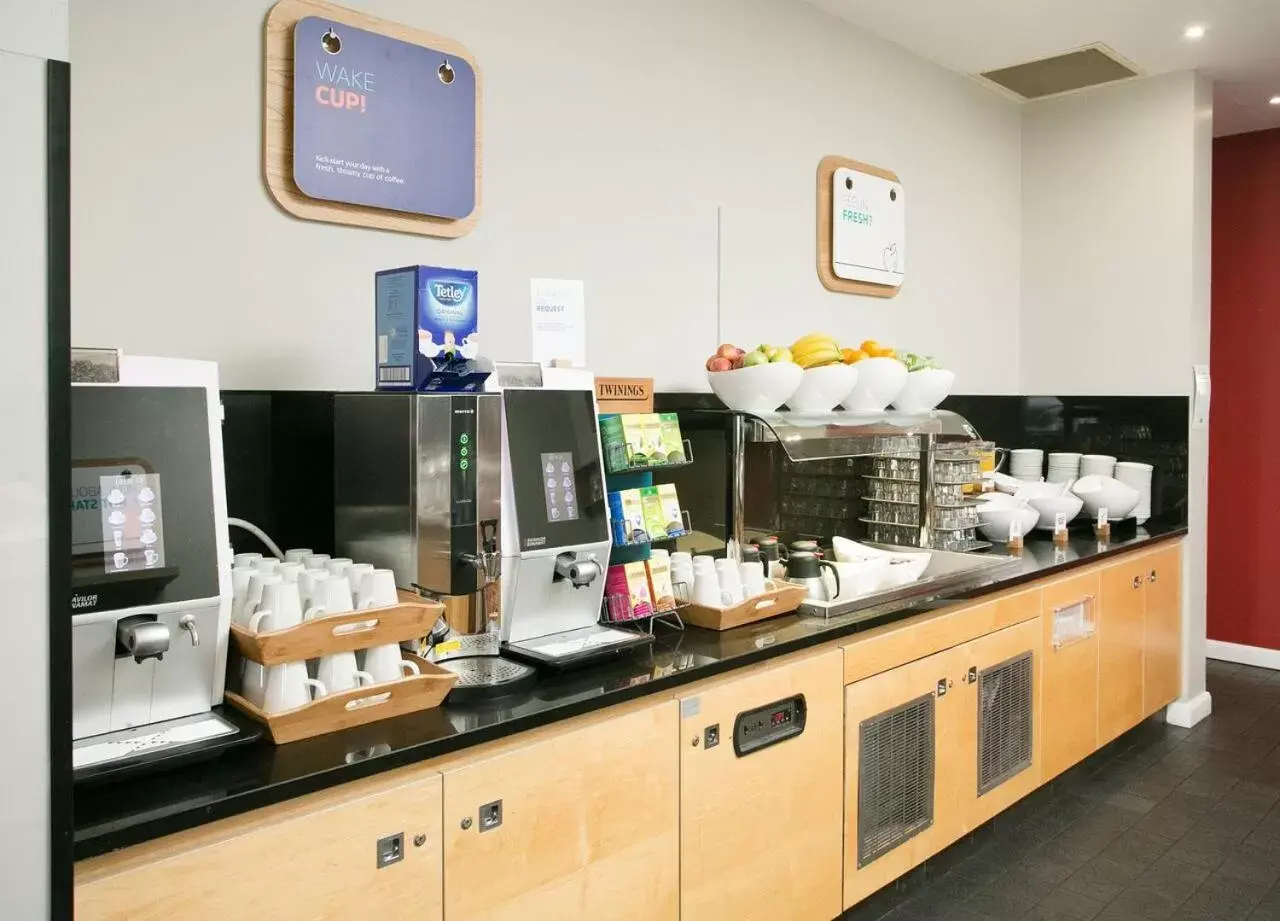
x,y
1152,577
1137,581
971,677
944,685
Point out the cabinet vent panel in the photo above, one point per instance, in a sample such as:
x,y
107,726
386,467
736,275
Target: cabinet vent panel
x,y
1004,721
895,777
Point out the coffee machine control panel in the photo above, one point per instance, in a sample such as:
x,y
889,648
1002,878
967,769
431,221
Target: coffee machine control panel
x,y
462,511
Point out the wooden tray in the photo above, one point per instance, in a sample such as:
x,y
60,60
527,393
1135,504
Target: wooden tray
x,y
783,600
409,620
357,706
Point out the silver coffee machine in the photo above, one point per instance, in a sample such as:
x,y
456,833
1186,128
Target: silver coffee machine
x,y
452,492
151,593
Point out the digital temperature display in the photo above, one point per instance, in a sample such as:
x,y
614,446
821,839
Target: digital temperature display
x,y
768,725
780,716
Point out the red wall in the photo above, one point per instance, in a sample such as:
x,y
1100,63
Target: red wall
x,y
1244,423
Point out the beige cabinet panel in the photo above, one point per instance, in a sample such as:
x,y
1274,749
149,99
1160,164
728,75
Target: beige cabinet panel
x,y
1120,652
1162,628
317,864
760,834
589,825
901,802
1069,686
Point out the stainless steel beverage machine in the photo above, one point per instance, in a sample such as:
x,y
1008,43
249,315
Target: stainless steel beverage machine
x,y
150,562
494,503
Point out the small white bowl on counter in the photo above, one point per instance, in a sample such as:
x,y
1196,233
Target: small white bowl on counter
x,y
757,389
994,520
1099,492
1048,508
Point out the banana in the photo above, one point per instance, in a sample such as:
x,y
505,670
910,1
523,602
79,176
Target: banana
x,y
813,339
815,358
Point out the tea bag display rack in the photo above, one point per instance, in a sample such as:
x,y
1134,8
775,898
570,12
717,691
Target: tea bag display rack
x,y
617,610
632,467
922,438
411,618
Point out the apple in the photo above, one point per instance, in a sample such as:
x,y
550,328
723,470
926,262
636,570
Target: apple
x,y
751,359
719,363
731,352
782,354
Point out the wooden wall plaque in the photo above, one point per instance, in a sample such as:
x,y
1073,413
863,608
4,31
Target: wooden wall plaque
x,y
826,272
278,126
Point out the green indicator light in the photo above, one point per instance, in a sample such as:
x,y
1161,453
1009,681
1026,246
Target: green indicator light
x,y
463,464
464,451
463,438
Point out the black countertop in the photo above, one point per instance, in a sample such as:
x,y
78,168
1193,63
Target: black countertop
x,y
117,815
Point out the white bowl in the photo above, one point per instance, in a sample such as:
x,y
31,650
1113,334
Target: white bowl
x,y
1040,490
850,551
904,568
880,380
1099,492
1049,506
822,388
1000,500
757,389
924,390
994,520
857,578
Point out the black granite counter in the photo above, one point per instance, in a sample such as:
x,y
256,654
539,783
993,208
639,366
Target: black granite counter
x,y
121,814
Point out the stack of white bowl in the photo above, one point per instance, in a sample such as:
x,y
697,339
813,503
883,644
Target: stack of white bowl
x,y
1097,465
1132,473
1064,466
1026,463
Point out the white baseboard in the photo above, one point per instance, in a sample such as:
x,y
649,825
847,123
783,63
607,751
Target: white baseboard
x,y
1243,655
1186,713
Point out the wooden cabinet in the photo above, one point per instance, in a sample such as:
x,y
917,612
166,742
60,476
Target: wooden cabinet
x,y
315,858
902,769
1162,628
1120,648
760,831
996,757
1069,663
579,824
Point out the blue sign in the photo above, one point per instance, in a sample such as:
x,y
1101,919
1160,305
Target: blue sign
x,y
381,122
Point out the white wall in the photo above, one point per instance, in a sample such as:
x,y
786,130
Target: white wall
x,y
1116,189
613,133
29,32
1107,206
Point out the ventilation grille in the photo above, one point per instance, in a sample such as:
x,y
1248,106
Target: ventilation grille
x,y
1074,70
1004,721
895,777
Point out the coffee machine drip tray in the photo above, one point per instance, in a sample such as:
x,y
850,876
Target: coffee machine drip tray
x,y
575,648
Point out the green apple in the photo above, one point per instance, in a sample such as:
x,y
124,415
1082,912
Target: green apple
x,y
754,358
782,354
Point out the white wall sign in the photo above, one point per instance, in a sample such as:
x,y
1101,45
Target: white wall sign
x,y
868,228
557,308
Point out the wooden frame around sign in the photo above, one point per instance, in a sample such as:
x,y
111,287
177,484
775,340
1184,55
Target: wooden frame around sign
x,y
826,272
277,134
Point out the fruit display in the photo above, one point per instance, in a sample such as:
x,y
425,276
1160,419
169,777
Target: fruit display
x,y
729,357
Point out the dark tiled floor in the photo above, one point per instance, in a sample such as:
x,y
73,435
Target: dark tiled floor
x,y
1164,823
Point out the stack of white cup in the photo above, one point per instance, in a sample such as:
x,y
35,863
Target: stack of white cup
x,y
1026,463
1064,466
1097,465
268,594
721,583
1132,473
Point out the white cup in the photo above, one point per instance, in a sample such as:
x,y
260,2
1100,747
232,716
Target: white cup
x,y
280,606
258,581
707,591
753,580
703,563
385,663
268,564
330,596
338,566
730,581
240,576
307,581
253,683
682,574
286,687
378,589
315,561
290,571
338,672
297,555
246,559
356,574
679,557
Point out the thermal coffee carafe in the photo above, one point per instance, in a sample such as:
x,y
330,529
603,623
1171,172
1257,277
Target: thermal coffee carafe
x,y
150,567
805,568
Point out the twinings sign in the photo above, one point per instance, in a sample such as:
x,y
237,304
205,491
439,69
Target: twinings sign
x,y
624,394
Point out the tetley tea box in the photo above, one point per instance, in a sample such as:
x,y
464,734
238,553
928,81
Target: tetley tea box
x,y
427,329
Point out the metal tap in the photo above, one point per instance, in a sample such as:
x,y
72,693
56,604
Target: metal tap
x,y
580,572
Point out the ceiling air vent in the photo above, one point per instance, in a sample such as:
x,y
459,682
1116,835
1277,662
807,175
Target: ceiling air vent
x,y
1075,70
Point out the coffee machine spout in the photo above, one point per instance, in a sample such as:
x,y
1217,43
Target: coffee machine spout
x,y
580,571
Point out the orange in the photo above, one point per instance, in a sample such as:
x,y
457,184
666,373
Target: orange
x,y
852,355
887,353
870,346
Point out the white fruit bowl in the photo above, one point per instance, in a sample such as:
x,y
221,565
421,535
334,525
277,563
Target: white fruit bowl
x,y
822,388
1099,492
994,520
924,390
880,380
758,389
1049,507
